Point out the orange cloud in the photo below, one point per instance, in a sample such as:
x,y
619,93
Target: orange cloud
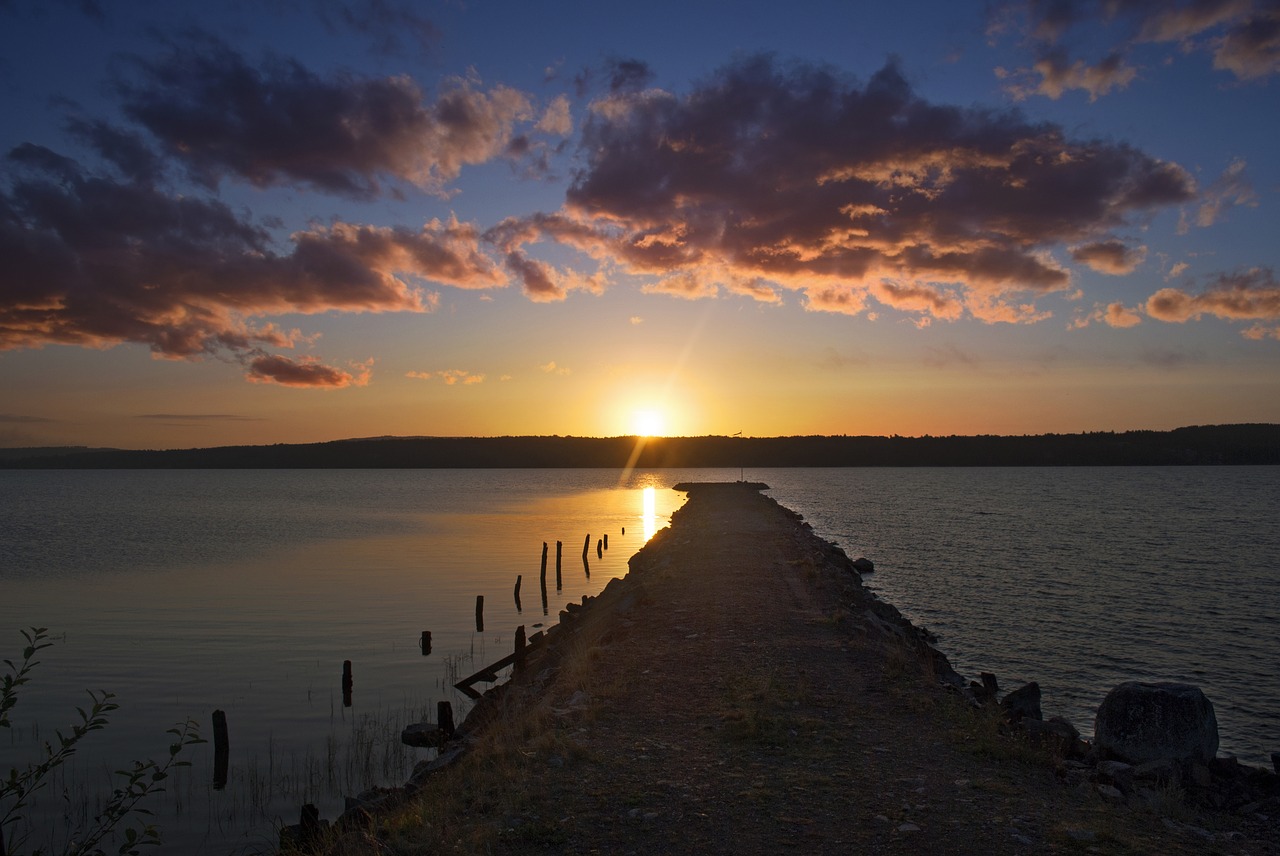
x,y
1244,295
307,372
1111,256
768,178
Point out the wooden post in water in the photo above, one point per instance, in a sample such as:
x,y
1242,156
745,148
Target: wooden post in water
x,y
606,540
346,683
624,530
559,550
519,578
586,545
479,613
221,752
543,575
425,642
600,549
444,719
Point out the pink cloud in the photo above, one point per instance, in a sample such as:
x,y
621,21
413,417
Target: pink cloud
x,y
307,372
796,178
1251,294
1110,256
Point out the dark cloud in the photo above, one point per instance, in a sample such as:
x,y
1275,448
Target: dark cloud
x,y
1245,295
1110,256
124,150
94,261
386,23
1243,36
274,368
628,75
793,176
198,417
282,124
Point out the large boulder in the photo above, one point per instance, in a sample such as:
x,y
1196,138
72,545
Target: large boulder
x,y
1141,722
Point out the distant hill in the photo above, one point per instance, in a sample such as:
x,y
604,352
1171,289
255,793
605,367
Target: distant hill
x,y
1199,445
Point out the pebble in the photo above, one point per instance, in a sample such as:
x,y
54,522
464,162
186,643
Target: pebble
x,y
1022,839
908,827
1080,835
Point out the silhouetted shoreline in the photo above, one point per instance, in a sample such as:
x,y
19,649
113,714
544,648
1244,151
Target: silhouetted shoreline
x,y
1248,444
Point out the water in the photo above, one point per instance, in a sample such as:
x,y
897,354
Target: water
x,y
189,591
1078,579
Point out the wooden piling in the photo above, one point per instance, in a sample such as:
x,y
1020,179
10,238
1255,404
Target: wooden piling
x,y
519,578
624,530
444,719
347,683
600,549
559,550
221,752
519,647
425,642
543,575
586,545
479,613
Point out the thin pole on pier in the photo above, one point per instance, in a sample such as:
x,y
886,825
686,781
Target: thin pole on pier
x,y
479,613
444,719
559,550
221,752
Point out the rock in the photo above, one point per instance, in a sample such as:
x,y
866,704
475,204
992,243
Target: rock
x,y
1110,793
1057,735
1162,770
863,565
1140,722
424,735
908,827
1023,703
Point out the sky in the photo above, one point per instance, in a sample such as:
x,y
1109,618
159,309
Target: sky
x,y
284,221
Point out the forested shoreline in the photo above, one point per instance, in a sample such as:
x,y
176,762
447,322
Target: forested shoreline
x,y
1197,445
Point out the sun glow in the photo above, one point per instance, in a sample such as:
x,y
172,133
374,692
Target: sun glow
x,y
647,423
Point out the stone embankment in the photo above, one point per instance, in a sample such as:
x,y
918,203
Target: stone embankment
x,y
741,691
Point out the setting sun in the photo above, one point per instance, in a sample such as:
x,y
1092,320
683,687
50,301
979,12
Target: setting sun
x,y
647,423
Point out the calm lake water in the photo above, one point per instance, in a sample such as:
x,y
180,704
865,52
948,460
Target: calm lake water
x,y
189,591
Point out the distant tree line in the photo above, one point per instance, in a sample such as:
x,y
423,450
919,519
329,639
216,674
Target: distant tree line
x,y
1199,445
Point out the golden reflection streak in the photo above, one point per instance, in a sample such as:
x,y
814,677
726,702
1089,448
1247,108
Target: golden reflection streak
x,y
650,514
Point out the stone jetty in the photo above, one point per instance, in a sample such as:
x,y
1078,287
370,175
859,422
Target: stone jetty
x,y
741,691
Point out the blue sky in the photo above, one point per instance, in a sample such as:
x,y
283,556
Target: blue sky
x,y
292,221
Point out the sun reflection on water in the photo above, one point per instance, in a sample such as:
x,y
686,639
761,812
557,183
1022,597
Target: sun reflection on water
x,y
650,514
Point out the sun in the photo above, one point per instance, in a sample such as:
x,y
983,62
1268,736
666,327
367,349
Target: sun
x,y
647,423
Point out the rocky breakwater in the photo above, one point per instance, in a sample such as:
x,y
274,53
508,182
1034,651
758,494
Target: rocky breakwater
x,y
741,691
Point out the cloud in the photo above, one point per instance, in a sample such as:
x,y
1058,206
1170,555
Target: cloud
x,y
282,124
1058,75
1252,294
635,320
449,376
1232,188
552,368
198,417
1113,315
557,119
1259,331
383,21
1243,37
1177,270
769,176
307,372
1110,256
96,261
